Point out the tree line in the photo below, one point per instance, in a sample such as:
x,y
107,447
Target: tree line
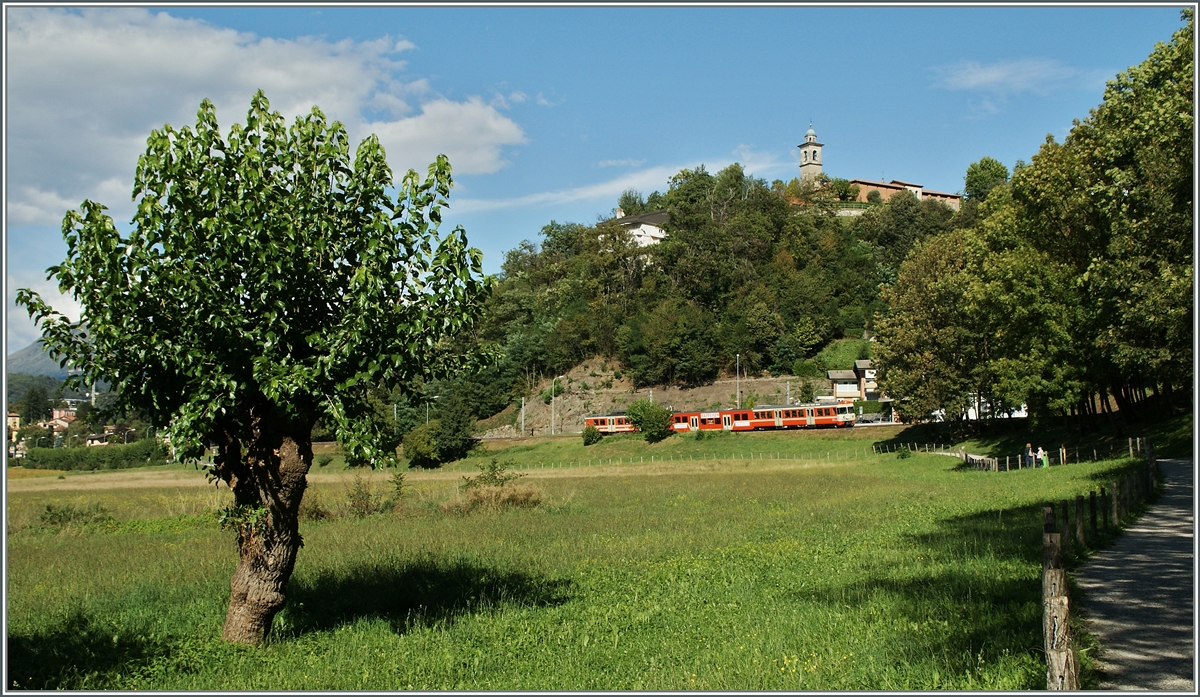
x,y
1074,284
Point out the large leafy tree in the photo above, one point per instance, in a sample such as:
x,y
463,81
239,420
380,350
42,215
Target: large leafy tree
x,y
269,280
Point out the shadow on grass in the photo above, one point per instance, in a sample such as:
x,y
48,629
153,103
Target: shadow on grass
x,y
76,653
978,617
420,593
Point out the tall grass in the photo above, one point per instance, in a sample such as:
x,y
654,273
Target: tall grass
x,y
875,573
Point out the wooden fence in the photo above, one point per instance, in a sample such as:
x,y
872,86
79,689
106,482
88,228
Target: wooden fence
x,y
1106,509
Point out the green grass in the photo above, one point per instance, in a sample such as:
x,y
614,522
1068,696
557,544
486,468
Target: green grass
x,y
841,354
867,573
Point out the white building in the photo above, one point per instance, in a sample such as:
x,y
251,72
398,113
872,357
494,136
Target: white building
x,y
645,229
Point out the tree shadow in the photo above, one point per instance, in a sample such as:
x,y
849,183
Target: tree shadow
x,y
420,593
978,618
76,653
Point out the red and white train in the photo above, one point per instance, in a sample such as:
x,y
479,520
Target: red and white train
x,y
838,414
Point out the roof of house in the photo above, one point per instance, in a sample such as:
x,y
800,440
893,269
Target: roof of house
x,y
651,218
863,364
842,375
903,183
929,192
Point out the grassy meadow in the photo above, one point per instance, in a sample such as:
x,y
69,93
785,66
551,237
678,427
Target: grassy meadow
x,y
808,572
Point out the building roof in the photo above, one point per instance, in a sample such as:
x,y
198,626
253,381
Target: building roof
x,y
863,364
903,183
810,131
872,182
842,375
656,218
929,192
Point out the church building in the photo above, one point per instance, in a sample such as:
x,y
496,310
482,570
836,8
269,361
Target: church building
x,y
810,167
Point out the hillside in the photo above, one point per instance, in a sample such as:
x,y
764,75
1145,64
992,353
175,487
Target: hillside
x,y
32,360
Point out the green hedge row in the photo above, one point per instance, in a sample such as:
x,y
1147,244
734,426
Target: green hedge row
x,y
872,407
145,452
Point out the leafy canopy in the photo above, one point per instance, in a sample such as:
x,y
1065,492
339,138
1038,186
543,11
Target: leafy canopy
x,y
265,268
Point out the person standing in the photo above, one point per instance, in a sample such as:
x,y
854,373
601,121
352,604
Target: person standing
x,y
1041,458
1029,455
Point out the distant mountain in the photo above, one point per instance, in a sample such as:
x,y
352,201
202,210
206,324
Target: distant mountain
x,y
33,360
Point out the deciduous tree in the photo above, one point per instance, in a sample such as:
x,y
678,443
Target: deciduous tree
x,y
269,280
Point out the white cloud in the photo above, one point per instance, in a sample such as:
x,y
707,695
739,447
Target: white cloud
x,y
1035,75
470,133
86,87
654,178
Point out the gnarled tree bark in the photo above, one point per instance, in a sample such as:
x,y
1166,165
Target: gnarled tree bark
x,y
268,484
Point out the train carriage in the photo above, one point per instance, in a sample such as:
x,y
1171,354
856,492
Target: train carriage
x,y
768,417
615,422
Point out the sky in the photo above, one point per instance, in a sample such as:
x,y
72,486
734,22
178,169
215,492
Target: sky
x,y
547,113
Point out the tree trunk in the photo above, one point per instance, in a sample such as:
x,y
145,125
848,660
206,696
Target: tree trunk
x,y
267,487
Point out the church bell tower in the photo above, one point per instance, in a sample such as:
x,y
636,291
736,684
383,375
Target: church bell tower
x,y
810,155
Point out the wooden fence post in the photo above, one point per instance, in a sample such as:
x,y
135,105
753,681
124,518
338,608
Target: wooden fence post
x,y
1066,528
1092,513
1131,448
1079,536
1060,660
1115,488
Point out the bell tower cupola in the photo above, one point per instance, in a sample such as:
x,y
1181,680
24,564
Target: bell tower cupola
x,y
810,155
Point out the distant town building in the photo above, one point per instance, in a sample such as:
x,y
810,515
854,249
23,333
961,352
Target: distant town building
x,y
857,384
645,229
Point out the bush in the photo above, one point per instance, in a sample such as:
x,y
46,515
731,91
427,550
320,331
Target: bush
x,y
145,452
324,460
903,452
653,420
591,435
492,474
420,446
494,498
869,406
361,499
60,516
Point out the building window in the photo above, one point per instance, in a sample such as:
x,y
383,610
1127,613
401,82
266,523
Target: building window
x,y
814,155
804,155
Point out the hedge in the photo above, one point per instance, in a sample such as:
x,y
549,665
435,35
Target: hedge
x,y
145,452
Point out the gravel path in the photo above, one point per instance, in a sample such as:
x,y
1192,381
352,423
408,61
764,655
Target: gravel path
x,y
1139,594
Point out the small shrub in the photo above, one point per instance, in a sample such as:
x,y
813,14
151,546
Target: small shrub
x,y
492,474
398,483
60,516
591,435
324,460
701,435
903,452
617,374
653,420
361,499
607,384
494,498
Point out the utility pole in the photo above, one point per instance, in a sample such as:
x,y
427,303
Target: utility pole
x,y
553,383
652,396
789,392
737,376
522,417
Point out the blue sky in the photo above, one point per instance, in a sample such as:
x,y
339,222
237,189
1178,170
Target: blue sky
x,y
549,113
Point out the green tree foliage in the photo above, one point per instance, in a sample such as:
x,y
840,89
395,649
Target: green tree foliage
x,y
270,280
653,420
35,406
591,435
1073,283
982,177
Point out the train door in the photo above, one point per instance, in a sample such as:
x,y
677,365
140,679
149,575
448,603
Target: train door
x,y
727,422
808,414
694,423
778,419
